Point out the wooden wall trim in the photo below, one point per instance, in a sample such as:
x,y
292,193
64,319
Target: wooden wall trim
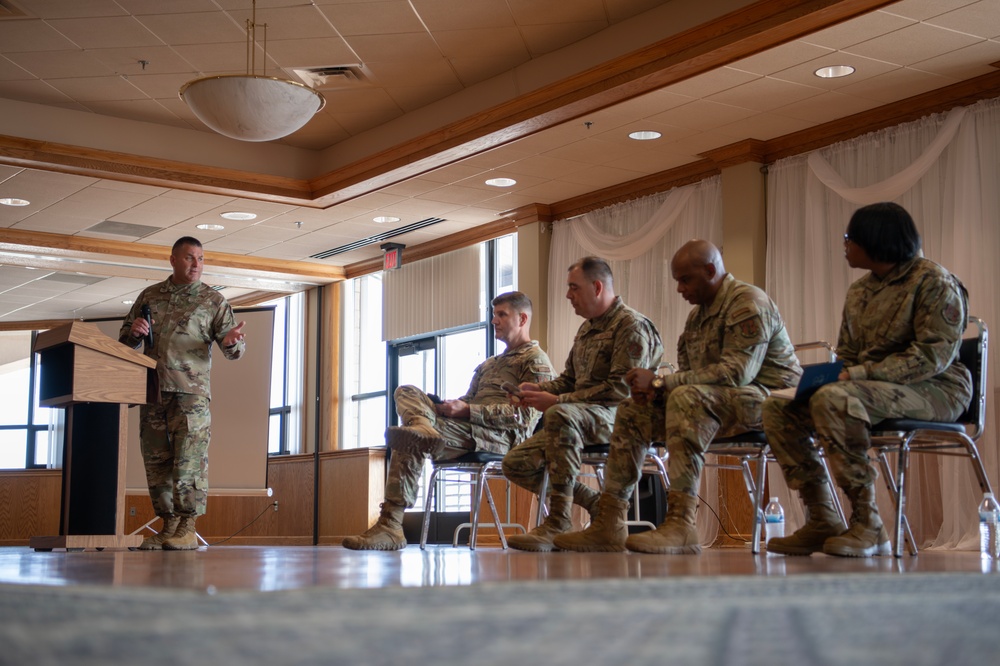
x,y
99,163
258,265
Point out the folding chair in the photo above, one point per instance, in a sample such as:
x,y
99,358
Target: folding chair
x,y
752,447
481,466
958,438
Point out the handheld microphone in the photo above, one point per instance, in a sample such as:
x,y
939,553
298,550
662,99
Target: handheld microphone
x,y
148,316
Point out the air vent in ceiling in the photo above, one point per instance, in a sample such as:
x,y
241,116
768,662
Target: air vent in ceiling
x,y
332,77
378,238
123,229
74,278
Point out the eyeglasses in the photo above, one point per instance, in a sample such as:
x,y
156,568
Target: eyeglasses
x,y
847,238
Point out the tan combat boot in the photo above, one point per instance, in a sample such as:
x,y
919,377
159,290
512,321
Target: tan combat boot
x,y
184,537
155,542
586,497
677,535
558,521
607,531
385,534
866,536
417,436
824,522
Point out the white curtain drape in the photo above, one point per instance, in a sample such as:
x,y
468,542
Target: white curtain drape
x,y
638,238
433,294
944,169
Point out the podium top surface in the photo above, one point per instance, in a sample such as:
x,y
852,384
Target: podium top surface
x,y
90,336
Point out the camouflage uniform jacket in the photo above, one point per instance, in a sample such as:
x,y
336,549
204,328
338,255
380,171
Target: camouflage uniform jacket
x,y
187,318
906,327
604,349
737,340
492,417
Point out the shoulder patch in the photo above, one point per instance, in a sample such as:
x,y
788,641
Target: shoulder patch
x,y
635,349
952,314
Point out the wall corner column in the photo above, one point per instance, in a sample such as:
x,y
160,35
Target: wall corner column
x,y
744,222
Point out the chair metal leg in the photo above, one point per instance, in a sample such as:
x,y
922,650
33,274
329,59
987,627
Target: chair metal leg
x,y
493,510
833,490
543,491
755,489
427,510
474,532
902,463
890,483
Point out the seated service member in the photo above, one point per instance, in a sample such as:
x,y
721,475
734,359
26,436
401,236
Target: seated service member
x,y
579,405
733,350
899,338
482,420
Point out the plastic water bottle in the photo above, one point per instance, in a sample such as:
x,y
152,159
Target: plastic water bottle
x,y
774,520
989,516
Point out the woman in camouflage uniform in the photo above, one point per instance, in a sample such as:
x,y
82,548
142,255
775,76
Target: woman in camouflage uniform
x,y
899,339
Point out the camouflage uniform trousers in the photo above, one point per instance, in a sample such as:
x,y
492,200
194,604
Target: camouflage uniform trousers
x,y
841,415
693,415
405,468
173,438
566,427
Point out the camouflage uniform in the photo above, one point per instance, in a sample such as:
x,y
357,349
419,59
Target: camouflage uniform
x,y
899,341
174,434
730,355
589,390
494,424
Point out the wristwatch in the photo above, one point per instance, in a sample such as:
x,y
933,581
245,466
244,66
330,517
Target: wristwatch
x,y
658,382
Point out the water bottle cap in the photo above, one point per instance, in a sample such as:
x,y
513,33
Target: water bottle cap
x,y
987,494
774,499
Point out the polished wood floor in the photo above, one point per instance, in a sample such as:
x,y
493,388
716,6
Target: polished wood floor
x,y
223,568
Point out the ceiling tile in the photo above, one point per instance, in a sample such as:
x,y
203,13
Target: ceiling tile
x,y
403,47
776,60
897,84
861,29
542,39
196,28
300,20
964,63
897,47
60,64
921,10
981,19
765,94
97,88
112,32
36,91
826,107
32,35
373,18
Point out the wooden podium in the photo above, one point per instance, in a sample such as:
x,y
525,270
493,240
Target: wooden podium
x,y
95,378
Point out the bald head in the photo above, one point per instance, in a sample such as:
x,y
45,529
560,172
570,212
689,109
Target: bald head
x,y
698,269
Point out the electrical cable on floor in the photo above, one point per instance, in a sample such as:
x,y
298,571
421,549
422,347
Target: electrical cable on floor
x,y
270,505
721,526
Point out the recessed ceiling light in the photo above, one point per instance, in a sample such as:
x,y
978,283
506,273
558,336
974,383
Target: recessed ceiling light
x,y
644,135
382,219
210,227
11,201
834,71
236,215
501,182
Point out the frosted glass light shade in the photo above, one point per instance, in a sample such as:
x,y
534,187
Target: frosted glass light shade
x,y
249,107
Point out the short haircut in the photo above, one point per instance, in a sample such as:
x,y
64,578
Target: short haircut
x,y
184,240
885,231
595,269
517,300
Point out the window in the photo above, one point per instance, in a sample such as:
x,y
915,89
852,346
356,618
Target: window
x,y
438,362
364,364
28,433
287,366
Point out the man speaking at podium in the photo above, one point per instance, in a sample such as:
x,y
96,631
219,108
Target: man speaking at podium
x,y
179,319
